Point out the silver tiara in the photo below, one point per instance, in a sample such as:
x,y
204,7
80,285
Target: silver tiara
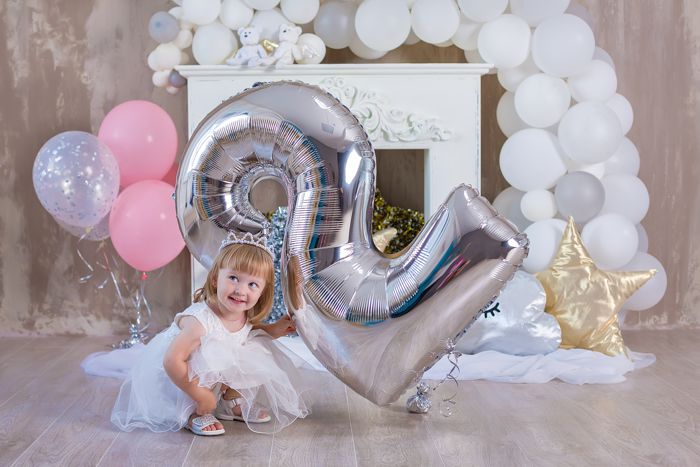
x,y
259,239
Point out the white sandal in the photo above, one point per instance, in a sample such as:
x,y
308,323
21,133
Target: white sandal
x,y
197,425
224,410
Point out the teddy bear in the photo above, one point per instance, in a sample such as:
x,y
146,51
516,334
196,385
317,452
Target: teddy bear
x,y
288,51
251,52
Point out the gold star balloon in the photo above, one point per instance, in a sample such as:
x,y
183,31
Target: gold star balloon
x,y
584,299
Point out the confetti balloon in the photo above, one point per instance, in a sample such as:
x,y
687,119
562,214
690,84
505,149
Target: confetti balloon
x,y
76,178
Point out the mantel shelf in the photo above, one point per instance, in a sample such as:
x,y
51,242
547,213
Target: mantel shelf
x,y
411,69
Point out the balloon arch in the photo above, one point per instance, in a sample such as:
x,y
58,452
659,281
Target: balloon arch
x,y
566,153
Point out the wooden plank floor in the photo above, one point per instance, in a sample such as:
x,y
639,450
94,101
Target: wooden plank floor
x,y
53,414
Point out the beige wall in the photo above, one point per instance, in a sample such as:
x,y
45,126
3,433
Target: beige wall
x,y
65,64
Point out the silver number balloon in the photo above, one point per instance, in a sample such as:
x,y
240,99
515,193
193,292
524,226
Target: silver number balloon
x,y
375,321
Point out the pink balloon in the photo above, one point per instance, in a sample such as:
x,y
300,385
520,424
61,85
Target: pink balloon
x,y
144,227
171,177
143,139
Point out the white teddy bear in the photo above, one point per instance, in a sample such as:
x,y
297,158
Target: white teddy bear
x,y
288,51
251,53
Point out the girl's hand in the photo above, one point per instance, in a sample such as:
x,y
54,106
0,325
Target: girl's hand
x,y
281,328
206,402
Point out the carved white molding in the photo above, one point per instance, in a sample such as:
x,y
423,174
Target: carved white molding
x,y
380,119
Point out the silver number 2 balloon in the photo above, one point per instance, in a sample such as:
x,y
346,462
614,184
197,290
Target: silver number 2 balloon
x,y
376,321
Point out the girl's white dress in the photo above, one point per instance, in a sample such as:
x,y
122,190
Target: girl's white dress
x,y
249,361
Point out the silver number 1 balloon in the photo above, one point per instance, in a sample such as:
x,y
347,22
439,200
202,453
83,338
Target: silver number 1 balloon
x,y
376,321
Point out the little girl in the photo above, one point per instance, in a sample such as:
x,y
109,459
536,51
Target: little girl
x,y
218,347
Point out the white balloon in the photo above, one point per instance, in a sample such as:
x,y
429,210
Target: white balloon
x,y
383,25
335,23
262,4
412,38
235,14
482,11
152,62
590,132
507,203
611,240
545,237
200,12
625,160
563,45
467,34
313,50
653,291
643,238
183,39
361,50
626,195
508,120
541,100
473,56
504,41
536,11
160,78
167,56
538,205
435,21
531,159
213,44
269,22
510,78
623,109
176,12
601,54
187,25
172,89
582,12
300,11
598,82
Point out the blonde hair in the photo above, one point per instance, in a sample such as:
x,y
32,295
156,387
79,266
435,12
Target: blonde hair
x,y
247,259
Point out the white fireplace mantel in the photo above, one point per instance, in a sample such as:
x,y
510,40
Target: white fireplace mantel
x,y
429,107
432,107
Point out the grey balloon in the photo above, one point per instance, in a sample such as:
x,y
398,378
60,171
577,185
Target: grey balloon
x,y
176,79
579,195
377,322
163,27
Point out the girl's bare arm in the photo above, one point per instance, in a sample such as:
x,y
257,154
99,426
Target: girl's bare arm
x,y
175,363
280,328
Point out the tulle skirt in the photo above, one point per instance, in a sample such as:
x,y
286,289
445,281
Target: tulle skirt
x,y
266,376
